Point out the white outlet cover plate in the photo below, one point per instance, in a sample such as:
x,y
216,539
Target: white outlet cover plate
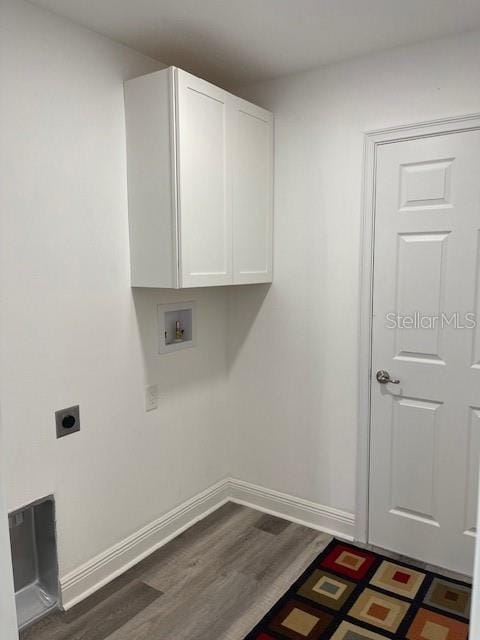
x,y
151,397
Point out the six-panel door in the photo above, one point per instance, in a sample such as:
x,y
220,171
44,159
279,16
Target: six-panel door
x,y
425,433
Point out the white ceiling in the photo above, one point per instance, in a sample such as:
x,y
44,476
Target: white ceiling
x,y
232,42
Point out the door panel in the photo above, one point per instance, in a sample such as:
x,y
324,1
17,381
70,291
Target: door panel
x,y
472,472
425,439
425,184
476,308
420,285
252,193
414,420
204,188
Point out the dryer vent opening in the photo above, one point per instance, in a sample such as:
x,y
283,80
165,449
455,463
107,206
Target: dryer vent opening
x,y
34,557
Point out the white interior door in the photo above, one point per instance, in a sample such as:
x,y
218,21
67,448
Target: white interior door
x,y
252,153
425,431
203,183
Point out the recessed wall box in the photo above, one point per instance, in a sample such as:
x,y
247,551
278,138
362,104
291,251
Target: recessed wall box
x,y
34,558
176,326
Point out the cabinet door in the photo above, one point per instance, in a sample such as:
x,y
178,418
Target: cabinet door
x,y
203,181
252,151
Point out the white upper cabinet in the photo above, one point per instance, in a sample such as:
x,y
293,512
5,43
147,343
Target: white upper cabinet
x,y
203,182
252,192
200,183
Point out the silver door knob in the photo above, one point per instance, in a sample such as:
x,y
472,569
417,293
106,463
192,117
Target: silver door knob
x,y
383,377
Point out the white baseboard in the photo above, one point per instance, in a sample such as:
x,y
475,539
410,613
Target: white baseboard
x,y
316,516
97,572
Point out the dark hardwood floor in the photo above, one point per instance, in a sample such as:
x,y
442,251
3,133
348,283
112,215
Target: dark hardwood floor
x,y
213,582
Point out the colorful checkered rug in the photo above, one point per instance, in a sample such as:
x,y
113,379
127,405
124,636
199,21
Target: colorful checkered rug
x,y
349,593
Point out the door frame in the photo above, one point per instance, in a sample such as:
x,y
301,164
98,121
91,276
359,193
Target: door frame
x,y
372,141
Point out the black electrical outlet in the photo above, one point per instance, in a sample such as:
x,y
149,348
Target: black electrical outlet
x,y
67,421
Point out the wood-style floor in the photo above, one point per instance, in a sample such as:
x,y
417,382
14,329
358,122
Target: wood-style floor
x,y
213,582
